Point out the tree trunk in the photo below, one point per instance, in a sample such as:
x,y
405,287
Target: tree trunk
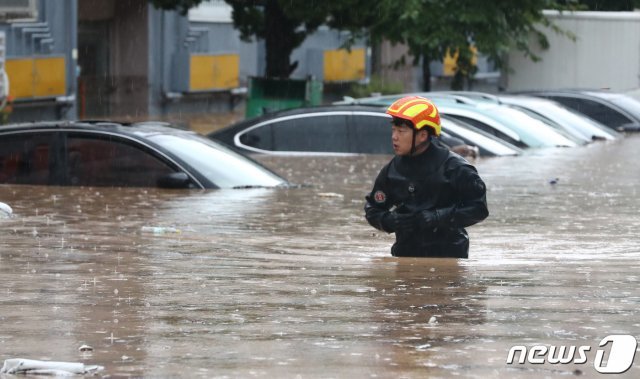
x,y
426,73
280,41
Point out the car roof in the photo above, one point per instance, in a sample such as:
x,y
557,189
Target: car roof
x,y
386,100
137,129
577,92
316,109
294,112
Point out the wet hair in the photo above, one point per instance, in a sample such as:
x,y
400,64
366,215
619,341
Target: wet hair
x,y
397,121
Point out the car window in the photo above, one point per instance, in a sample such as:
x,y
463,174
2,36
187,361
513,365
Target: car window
x,y
260,137
100,161
325,133
595,110
223,167
370,134
628,104
568,130
484,127
487,143
27,158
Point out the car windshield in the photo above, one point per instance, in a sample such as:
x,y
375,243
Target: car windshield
x,y
223,167
554,120
576,120
630,105
533,132
477,137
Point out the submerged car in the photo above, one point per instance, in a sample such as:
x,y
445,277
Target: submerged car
x,y
577,125
615,110
338,130
123,155
508,124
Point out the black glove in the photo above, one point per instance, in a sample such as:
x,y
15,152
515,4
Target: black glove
x,y
399,222
428,219
431,219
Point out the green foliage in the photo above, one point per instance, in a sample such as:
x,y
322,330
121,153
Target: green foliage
x,y
282,24
429,28
181,6
375,85
465,70
432,27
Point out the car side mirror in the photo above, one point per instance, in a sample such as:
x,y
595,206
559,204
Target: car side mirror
x,y
175,180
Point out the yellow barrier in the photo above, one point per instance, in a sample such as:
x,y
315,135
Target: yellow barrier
x,y
50,77
450,61
214,72
36,77
341,65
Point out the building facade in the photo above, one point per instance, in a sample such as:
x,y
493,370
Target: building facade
x,y
39,55
604,53
101,59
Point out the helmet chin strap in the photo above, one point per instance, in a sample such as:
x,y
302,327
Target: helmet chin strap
x,y
414,147
413,142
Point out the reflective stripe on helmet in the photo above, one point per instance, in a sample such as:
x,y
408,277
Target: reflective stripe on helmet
x,y
420,111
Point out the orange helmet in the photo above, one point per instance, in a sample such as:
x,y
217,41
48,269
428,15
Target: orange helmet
x,y
420,111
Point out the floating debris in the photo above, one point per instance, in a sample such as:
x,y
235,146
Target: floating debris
x,y
85,348
159,230
433,320
5,210
330,195
32,367
423,347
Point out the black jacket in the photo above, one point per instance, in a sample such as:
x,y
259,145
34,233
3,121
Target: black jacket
x,y
436,180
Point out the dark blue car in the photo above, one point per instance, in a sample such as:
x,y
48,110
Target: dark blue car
x,y
127,155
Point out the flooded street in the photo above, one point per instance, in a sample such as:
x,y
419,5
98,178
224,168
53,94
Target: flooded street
x,y
293,283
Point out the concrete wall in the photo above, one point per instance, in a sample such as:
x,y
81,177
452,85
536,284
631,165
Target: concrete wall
x,y
49,34
173,38
143,60
408,75
309,54
605,54
130,64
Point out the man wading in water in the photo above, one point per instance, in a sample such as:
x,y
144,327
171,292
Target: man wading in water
x,y
426,194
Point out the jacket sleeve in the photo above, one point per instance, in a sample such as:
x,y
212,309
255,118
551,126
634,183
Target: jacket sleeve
x,y
377,202
470,206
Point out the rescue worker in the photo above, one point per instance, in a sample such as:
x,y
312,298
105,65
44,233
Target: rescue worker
x,y
426,194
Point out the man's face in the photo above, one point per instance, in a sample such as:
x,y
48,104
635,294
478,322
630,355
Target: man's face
x,y
402,137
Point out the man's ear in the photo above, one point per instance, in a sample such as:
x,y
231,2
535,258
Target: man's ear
x,y
424,135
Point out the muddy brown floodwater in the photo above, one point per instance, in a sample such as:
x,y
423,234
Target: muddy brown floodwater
x,y
293,283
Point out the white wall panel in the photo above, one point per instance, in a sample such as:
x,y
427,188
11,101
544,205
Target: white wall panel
x,y
605,54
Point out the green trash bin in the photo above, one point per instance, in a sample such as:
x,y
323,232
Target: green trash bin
x,y
269,94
